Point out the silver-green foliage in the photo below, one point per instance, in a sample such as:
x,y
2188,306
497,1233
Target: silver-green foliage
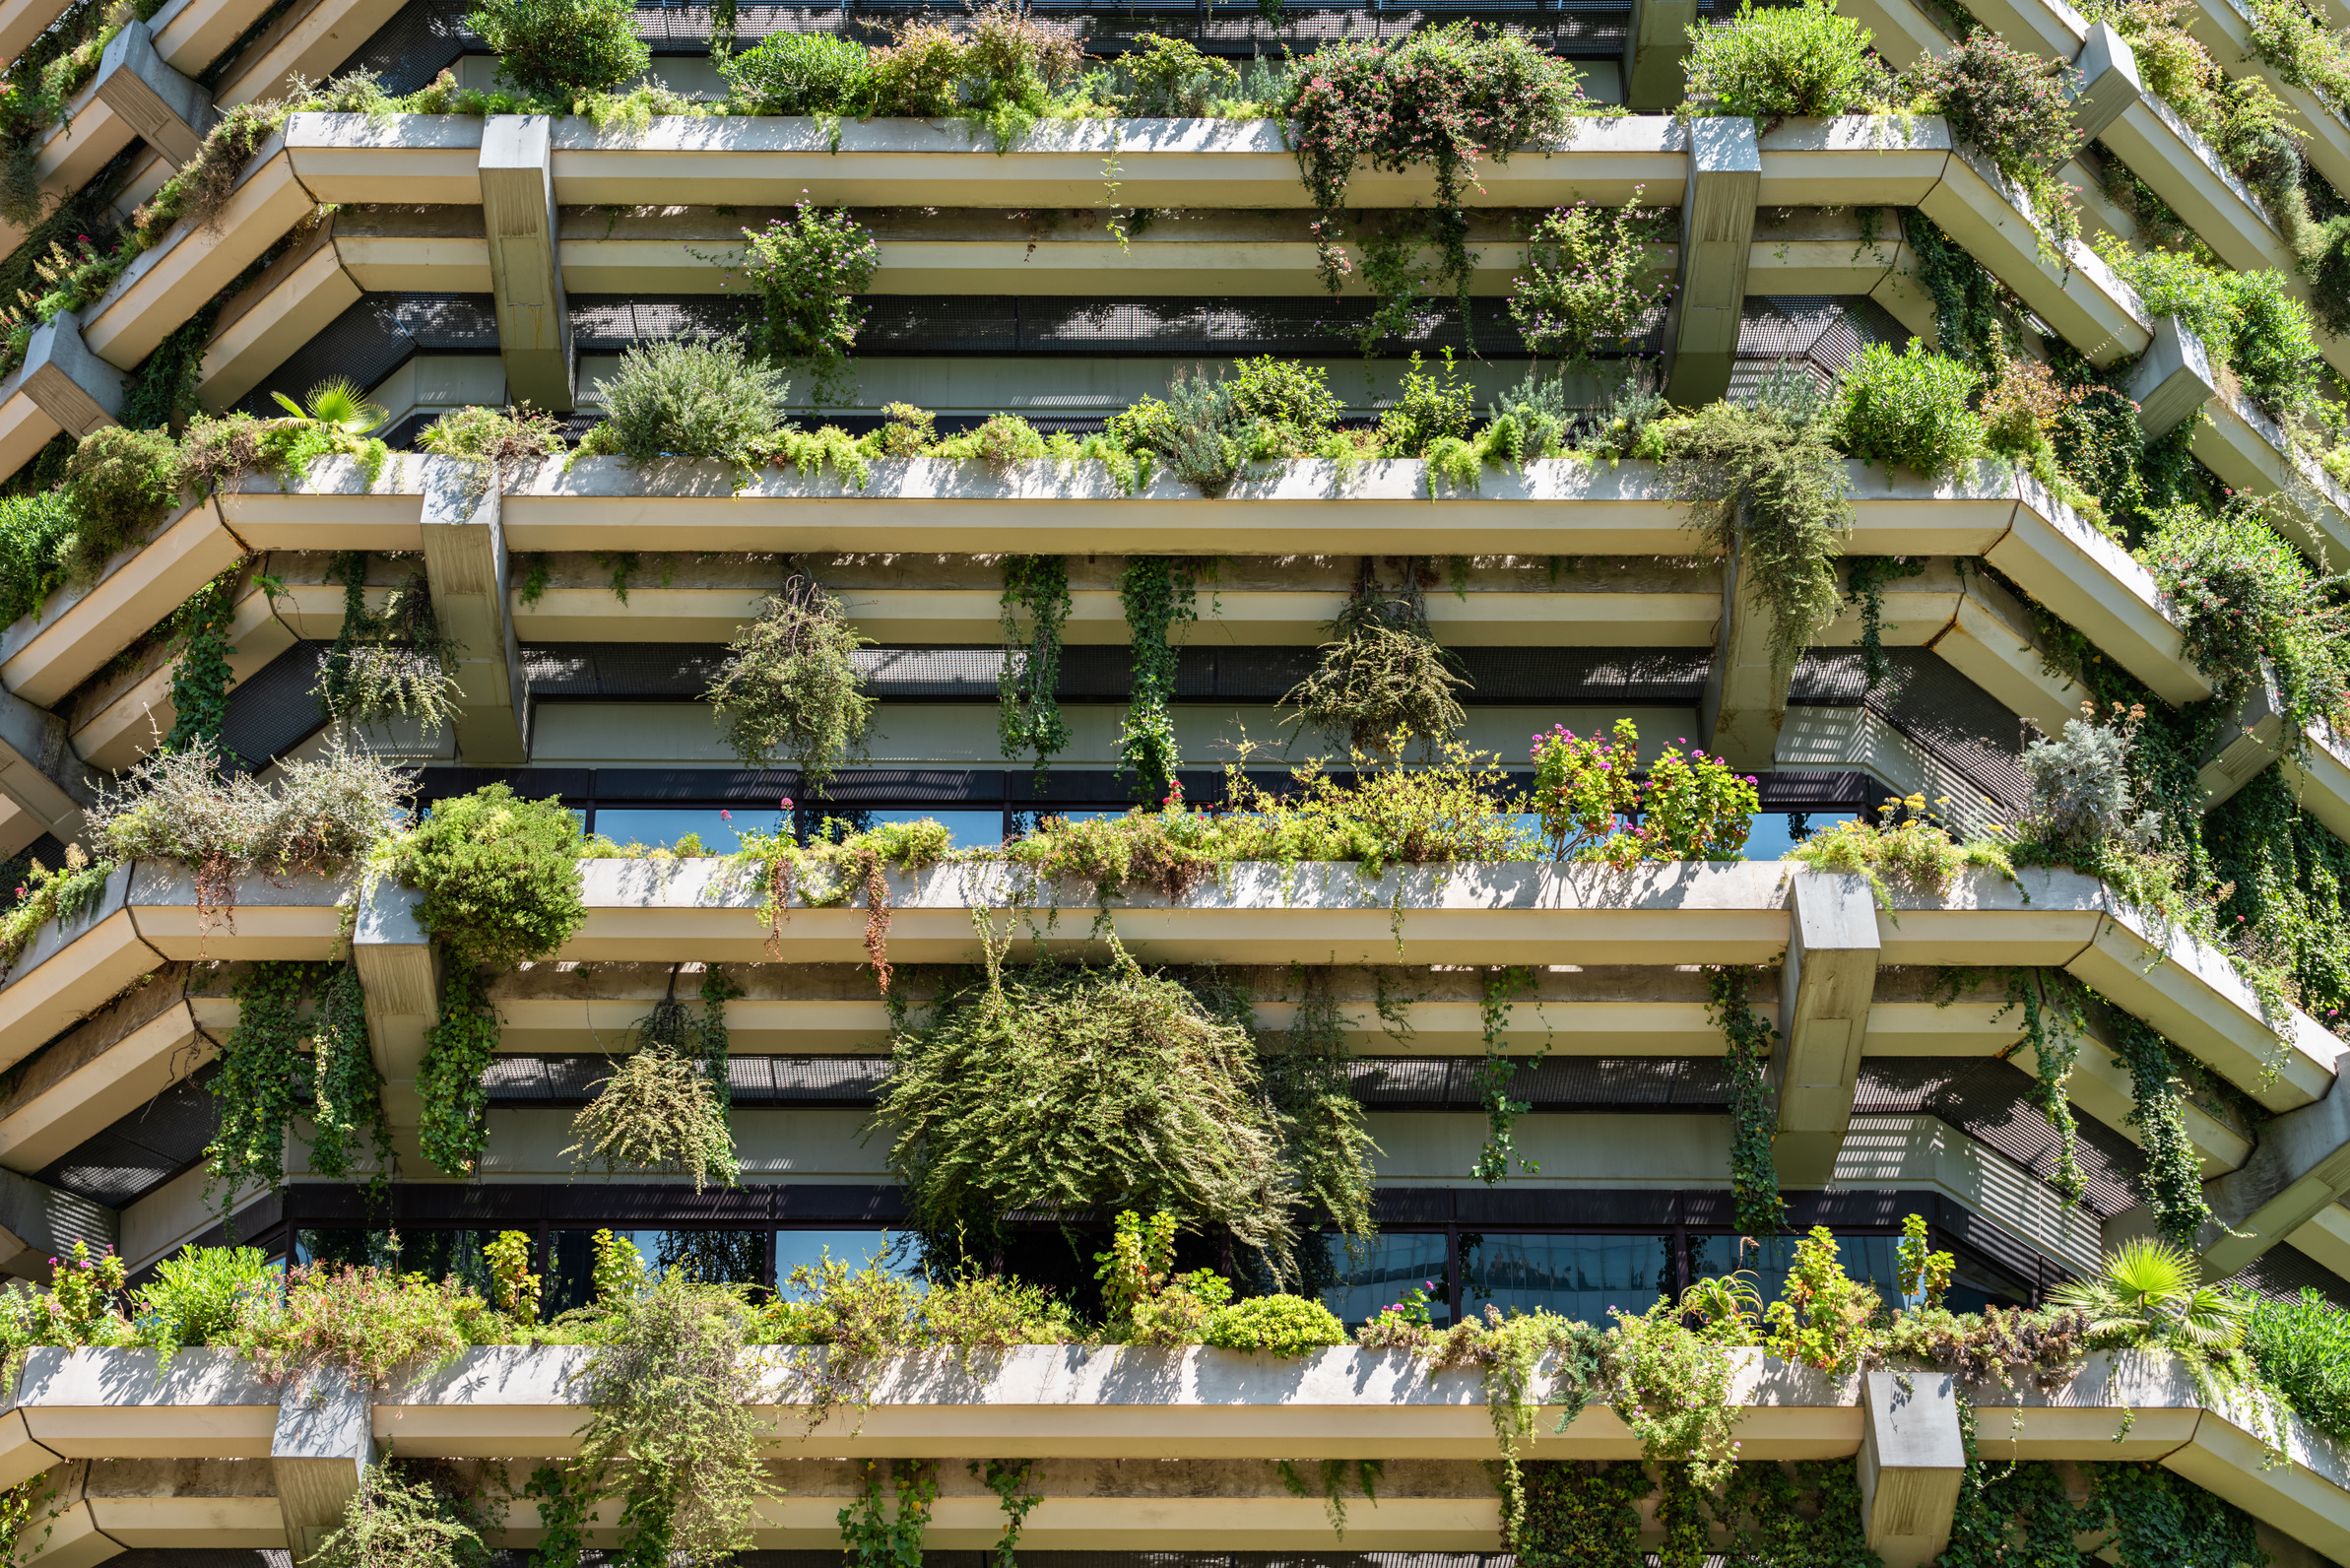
x,y
403,1517
690,398
791,686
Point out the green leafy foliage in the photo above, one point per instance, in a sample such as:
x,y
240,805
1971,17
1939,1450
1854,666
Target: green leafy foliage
x,y
120,483
1278,1324
1773,61
658,1109
261,1062
1754,1115
1158,594
1587,282
1383,676
200,675
1028,691
39,544
561,49
1909,409
2248,599
699,398
801,73
405,1515
389,661
791,686
2302,1346
809,270
508,440
200,1295
2017,110
2171,1184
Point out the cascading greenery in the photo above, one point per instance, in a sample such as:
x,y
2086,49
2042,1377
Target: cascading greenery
x,y
1865,578
1498,990
500,879
1158,593
809,270
1324,1139
261,1063
1028,715
1754,1119
665,1107
2173,1183
387,663
873,1533
791,686
200,676
2049,1006
1382,676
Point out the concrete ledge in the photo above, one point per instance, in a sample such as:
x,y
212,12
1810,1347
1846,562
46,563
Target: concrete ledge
x,y
76,389
169,112
206,1403
43,658
124,1056
2246,450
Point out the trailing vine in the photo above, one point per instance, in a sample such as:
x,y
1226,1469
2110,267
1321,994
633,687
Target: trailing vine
x,y
1307,1082
2171,1184
563,1508
714,1044
1335,1474
791,686
388,663
661,1108
1864,580
2049,1007
200,676
1028,688
1158,593
254,1088
1497,994
1966,299
347,1088
870,1536
458,1049
1753,1174
1008,1479
1383,676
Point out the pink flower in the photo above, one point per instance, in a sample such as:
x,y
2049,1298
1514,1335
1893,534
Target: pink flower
x,y
785,802
726,815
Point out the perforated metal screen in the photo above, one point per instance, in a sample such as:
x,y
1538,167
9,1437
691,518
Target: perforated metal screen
x,y
1987,1099
142,1149
1931,704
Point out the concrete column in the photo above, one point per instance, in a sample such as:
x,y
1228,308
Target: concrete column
x,y
2105,81
66,381
401,980
2250,742
171,113
1823,1017
466,563
323,1445
2301,1164
38,771
533,321
1656,44
1744,705
1716,234
2172,378
1910,1462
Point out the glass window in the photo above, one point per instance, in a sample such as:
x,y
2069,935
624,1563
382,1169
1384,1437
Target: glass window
x,y
859,1248
1871,1259
1025,822
1776,833
964,830
435,1254
1373,1275
720,1257
719,831
1575,1276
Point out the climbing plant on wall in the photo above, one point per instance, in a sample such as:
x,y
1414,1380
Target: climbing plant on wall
x,y
1158,594
1028,689
200,676
2173,1183
1754,1119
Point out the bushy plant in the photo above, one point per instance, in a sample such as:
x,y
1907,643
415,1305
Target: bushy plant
x,y
1171,78
655,1112
2017,110
791,688
1671,1387
801,73
1199,428
1382,674
364,1322
2303,1347
199,1295
2083,798
561,49
1906,846
39,547
403,1515
809,270
1690,807
508,440
2022,410
1283,1326
1773,61
2249,598
691,398
1294,400
63,892
1909,409
1586,786
2247,318
1427,410
1822,1317
388,661
1587,282
120,483
2153,1292
1000,72
513,1287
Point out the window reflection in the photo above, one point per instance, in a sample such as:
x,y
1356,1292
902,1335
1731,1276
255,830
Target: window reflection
x,y
1871,1259
1374,1275
714,1257
1575,1276
858,1249
435,1254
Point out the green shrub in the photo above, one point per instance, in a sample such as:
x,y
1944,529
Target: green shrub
x,y
691,398
1909,409
801,73
1382,676
1587,282
1170,79
1294,398
2247,596
120,484
2271,345
791,688
500,876
36,540
2303,1347
1275,1325
809,270
504,438
2329,277
1771,62
199,1295
365,1322
1001,72
1430,408
561,49
405,1515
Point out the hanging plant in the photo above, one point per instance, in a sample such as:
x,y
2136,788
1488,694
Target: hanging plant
x,y
809,270
2171,1184
1058,1087
1382,677
1864,580
500,879
1028,691
870,1536
389,663
200,676
348,1088
1754,1120
1008,1479
791,686
1498,992
661,1109
261,1062
2049,1006
1325,1140
1158,594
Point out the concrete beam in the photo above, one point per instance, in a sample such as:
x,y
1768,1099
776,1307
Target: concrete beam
x,y
127,1054
38,1223
171,113
2172,379
1744,706
1716,234
323,1445
2250,740
37,767
466,563
2298,1169
1654,46
1910,1462
533,323
66,381
2105,81
1832,952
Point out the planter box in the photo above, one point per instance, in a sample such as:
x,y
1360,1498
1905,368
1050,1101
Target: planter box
x,y
79,628
204,1403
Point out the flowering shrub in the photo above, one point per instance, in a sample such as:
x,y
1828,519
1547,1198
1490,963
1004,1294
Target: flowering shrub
x,y
1586,281
2015,108
65,892
1691,807
1585,787
365,1322
1698,808
809,270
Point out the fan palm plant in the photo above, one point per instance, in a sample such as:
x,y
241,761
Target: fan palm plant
x,y
337,404
2153,1290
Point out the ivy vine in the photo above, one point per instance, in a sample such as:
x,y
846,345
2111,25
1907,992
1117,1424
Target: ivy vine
x,y
2173,1182
1028,690
870,1536
1753,1174
563,1508
2049,1006
457,1051
1966,299
1158,593
713,1045
1864,581
1498,991
261,1065
1008,1479
348,1089
201,676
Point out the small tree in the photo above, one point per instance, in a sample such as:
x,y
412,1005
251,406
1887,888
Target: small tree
x,y
561,49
